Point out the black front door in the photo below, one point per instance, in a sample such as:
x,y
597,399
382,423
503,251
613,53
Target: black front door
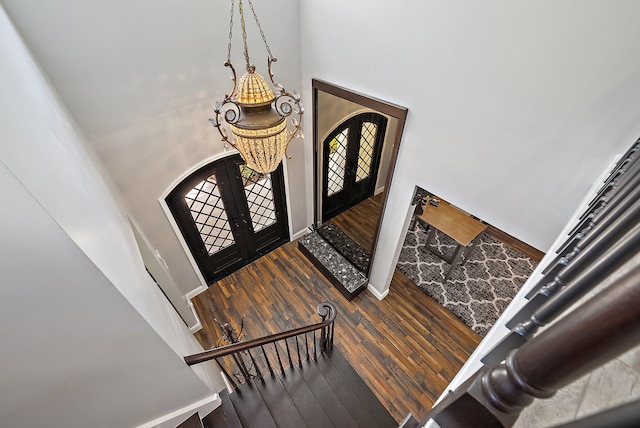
x,y
230,215
351,157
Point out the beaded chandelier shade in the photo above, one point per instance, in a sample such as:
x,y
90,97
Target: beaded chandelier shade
x,y
256,115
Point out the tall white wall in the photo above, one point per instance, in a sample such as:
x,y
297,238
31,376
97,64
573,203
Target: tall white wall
x,y
86,333
149,157
514,107
141,79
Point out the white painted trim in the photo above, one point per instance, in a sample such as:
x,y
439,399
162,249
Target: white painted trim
x,y
226,383
175,418
198,325
300,234
287,195
172,221
190,295
379,190
376,293
183,243
396,255
193,293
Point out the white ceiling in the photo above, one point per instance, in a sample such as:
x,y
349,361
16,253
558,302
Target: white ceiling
x,y
115,63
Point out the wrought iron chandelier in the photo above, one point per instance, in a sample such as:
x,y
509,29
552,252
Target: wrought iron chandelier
x,y
256,115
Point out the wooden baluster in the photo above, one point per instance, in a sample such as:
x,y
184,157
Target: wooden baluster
x,y
621,167
331,327
241,366
255,366
267,360
315,351
298,349
629,193
275,345
578,260
229,378
286,342
624,165
621,218
604,327
306,344
324,310
597,214
582,283
617,180
323,338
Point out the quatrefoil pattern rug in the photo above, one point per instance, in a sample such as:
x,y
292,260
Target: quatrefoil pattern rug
x,y
477,292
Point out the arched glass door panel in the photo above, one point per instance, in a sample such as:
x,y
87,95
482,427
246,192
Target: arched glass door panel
x,y
229,215
351,158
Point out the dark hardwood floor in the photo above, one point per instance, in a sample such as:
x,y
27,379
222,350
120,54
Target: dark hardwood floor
x,y
406,347
361,221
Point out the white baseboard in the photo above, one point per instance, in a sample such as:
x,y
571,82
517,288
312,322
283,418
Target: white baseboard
x,y
300,234
376,293
379,190
190,295
173,419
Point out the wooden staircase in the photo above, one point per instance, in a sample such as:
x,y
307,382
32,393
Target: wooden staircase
x,y
326,392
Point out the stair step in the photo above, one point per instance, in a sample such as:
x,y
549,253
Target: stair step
x,y
223,416
323,393
304,400
362,390
250,407
359,412
326,397
280,405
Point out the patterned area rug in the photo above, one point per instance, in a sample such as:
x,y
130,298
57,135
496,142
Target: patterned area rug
x,y
477,292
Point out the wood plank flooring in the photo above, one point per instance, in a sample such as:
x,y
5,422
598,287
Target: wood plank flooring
x,y
406,347
361,221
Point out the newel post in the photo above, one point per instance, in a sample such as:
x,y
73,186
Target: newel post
x,y
604,327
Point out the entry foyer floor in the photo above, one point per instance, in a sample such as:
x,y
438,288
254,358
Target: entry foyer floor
x,y
406,347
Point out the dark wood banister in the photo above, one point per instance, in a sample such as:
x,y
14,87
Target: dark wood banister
x,y
606,326
323,310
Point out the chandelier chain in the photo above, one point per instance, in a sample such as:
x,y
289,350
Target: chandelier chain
x,y
250,67
264,39
230,33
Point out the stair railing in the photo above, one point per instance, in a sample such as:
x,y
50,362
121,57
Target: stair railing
x,y
603,328
529,364
248,357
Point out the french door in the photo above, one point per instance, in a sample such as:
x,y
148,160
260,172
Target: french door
x,y
351,158
229,215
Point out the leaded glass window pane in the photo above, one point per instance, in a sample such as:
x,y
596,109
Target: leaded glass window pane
x,y
207,209
365,155
337,162
259,193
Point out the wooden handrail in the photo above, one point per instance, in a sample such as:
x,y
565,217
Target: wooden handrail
x,y
323,310
604,327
